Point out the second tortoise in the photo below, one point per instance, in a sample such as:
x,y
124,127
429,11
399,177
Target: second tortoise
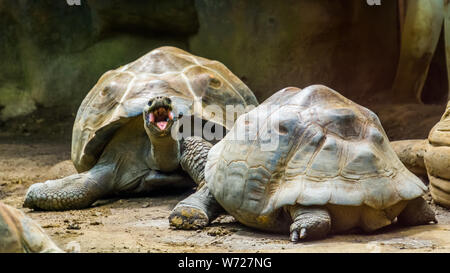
x,y
332,170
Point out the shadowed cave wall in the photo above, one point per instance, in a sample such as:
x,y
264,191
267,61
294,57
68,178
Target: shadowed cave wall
x,y
53,53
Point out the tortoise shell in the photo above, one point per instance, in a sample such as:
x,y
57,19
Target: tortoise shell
x,y
329,150
191,82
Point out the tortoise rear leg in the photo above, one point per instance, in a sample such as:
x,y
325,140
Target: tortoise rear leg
x,y
200,208
417,212
309,222
72,192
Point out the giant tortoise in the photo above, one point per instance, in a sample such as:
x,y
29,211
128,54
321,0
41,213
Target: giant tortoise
x,y
332,170
123,139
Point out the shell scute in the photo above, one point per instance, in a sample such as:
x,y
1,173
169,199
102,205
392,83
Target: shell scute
x,y
362,160
305,151
255,189
327,161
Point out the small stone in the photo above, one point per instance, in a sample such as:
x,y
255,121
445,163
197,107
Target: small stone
x,y
73,226
218,231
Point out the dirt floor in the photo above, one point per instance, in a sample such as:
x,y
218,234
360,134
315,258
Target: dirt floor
x,y
34,149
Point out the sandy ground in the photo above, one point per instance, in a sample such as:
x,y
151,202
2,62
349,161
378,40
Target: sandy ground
x,y
34,154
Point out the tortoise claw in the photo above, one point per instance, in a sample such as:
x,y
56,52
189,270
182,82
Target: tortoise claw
x,y
303,233
294,236
297,235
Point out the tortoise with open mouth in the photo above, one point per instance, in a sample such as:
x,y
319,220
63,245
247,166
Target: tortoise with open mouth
x,y
159,114
122,141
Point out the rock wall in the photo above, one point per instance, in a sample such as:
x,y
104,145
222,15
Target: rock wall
x,y
53,53
347,45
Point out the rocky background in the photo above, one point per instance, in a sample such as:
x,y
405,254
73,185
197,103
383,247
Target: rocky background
x,y
53,53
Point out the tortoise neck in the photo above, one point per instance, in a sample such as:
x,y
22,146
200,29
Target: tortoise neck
x,y
165,152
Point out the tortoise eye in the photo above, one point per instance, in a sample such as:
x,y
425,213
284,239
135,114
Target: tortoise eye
x,y
168,101
150,103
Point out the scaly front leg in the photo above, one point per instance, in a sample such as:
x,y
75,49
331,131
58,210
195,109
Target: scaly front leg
x,y
200,208
72,192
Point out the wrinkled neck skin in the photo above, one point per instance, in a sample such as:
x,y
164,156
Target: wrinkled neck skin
x,y
164,152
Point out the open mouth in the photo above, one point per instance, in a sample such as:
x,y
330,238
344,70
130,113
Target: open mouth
x,y
160,117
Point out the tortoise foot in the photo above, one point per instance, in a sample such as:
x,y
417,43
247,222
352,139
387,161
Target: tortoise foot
x,y
309,223
417,212
188,217
196,211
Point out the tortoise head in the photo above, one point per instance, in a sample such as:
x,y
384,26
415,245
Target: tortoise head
x,y
159,116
